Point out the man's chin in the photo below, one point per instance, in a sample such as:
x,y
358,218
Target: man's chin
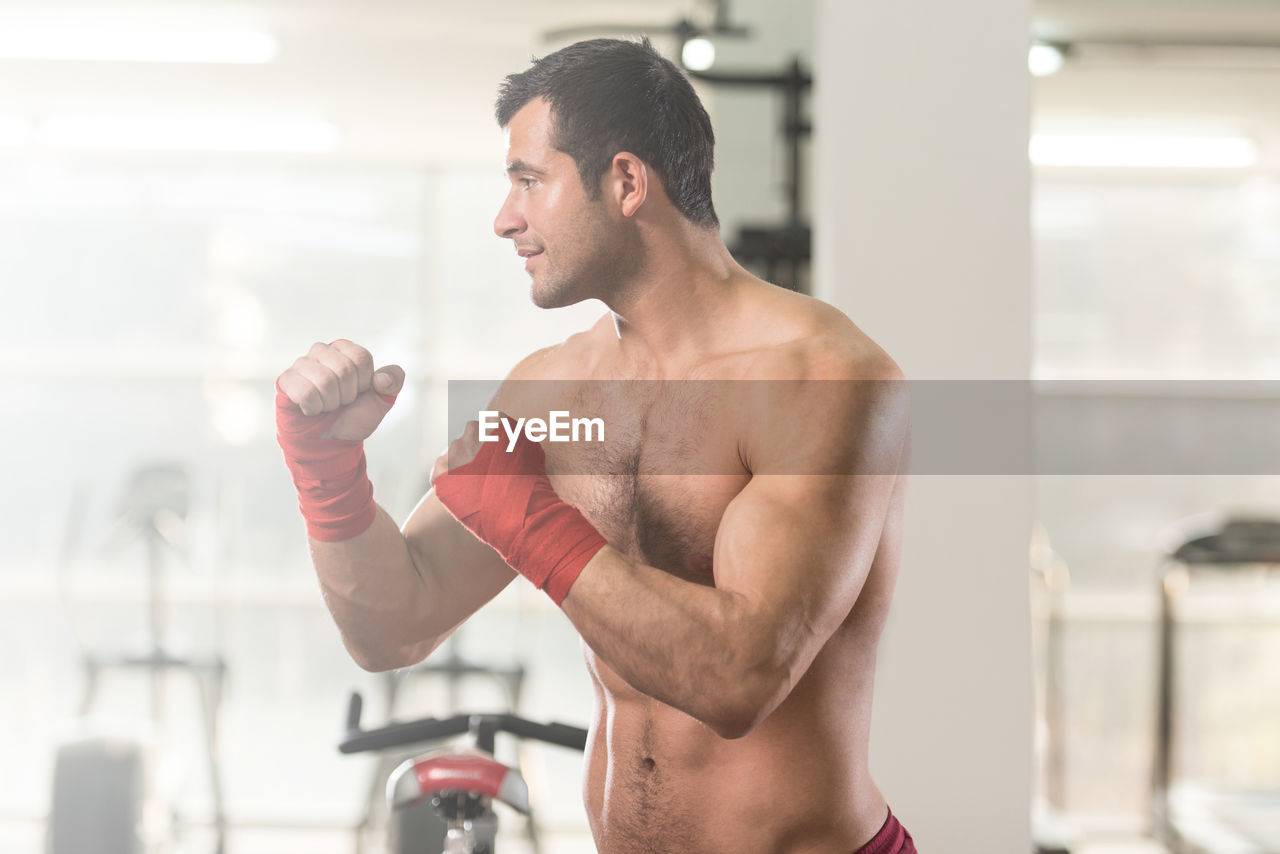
x,y
544,296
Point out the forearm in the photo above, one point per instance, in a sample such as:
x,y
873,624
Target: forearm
x,y
695,648
377,595
706,651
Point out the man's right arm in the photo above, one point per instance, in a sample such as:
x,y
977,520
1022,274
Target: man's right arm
x,y
395,594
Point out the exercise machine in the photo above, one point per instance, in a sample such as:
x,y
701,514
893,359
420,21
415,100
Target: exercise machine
x,y
459,782
100,781
1195,817
411,830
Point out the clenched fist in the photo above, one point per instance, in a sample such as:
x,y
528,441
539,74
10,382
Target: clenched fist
x,y
340,376
327,404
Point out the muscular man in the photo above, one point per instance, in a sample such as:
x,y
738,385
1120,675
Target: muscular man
x,y
728,559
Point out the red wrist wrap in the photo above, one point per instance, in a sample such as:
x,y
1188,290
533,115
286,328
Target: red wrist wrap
x,y
506,499
334,492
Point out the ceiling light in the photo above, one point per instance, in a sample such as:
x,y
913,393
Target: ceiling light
x,y
106,44
1044,59
189,135
698,54
1164,152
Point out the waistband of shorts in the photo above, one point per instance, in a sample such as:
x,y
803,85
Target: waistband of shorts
x,y
887,840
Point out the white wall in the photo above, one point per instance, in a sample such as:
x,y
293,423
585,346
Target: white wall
x,y
922,237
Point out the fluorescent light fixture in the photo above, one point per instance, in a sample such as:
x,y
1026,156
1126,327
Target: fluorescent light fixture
x,y
189,135
107,44
1161,152
13,132
698,54
1044,59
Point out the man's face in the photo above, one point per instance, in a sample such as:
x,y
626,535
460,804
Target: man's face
x,y
574,248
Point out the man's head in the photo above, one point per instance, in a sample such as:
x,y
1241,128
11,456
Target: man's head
x,y
607,96
600,107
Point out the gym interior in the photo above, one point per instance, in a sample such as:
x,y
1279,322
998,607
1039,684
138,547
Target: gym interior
x,y
1077,201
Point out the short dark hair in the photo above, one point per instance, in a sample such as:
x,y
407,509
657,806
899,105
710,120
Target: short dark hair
x,y
611,95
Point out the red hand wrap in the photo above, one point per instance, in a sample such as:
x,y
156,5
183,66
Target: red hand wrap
x,y
506,499
334,492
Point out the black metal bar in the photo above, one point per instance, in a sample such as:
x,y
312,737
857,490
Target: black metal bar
x,y
792,93
553,733
483,727
400,734
355,705
783,250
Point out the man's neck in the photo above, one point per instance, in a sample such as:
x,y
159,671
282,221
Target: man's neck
x,y
677,308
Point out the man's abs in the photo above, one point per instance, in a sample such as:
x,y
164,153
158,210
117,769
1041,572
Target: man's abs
x,y
656,780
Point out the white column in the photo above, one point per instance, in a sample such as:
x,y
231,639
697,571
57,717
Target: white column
x,y
922,236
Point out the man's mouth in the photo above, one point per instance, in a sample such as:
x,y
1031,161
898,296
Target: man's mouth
x,y
528,255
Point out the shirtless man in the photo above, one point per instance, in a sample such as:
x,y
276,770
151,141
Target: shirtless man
x,y
729,609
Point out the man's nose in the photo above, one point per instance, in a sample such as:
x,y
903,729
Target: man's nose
x,y
508,222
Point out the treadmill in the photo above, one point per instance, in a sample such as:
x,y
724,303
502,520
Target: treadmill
x,y
1191,817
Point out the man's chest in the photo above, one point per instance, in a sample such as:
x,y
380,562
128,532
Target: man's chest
x,y
658,484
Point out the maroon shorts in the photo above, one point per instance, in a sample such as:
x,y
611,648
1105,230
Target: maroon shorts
x,y
892,839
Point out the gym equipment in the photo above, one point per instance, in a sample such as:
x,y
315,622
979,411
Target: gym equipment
x,y
99,783
418,829
1192,818
459,783
782,250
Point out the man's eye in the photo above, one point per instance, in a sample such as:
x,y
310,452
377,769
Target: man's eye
x,y
528,182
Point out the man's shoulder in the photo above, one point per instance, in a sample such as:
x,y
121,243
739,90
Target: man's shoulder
x,y
827,372
820,342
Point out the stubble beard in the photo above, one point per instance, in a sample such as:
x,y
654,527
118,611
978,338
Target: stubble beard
x,y
609,258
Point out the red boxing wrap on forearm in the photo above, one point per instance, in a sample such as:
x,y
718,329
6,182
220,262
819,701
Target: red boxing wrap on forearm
x,y
506,499
334,492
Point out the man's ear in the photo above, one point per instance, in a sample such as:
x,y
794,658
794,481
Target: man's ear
x,y
628,182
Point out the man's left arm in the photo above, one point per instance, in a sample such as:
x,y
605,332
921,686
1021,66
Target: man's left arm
x,y
792,553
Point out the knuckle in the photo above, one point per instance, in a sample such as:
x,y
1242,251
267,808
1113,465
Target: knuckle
x,y
317,349
349,347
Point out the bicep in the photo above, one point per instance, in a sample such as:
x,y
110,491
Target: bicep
x,y
797,550
798,542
